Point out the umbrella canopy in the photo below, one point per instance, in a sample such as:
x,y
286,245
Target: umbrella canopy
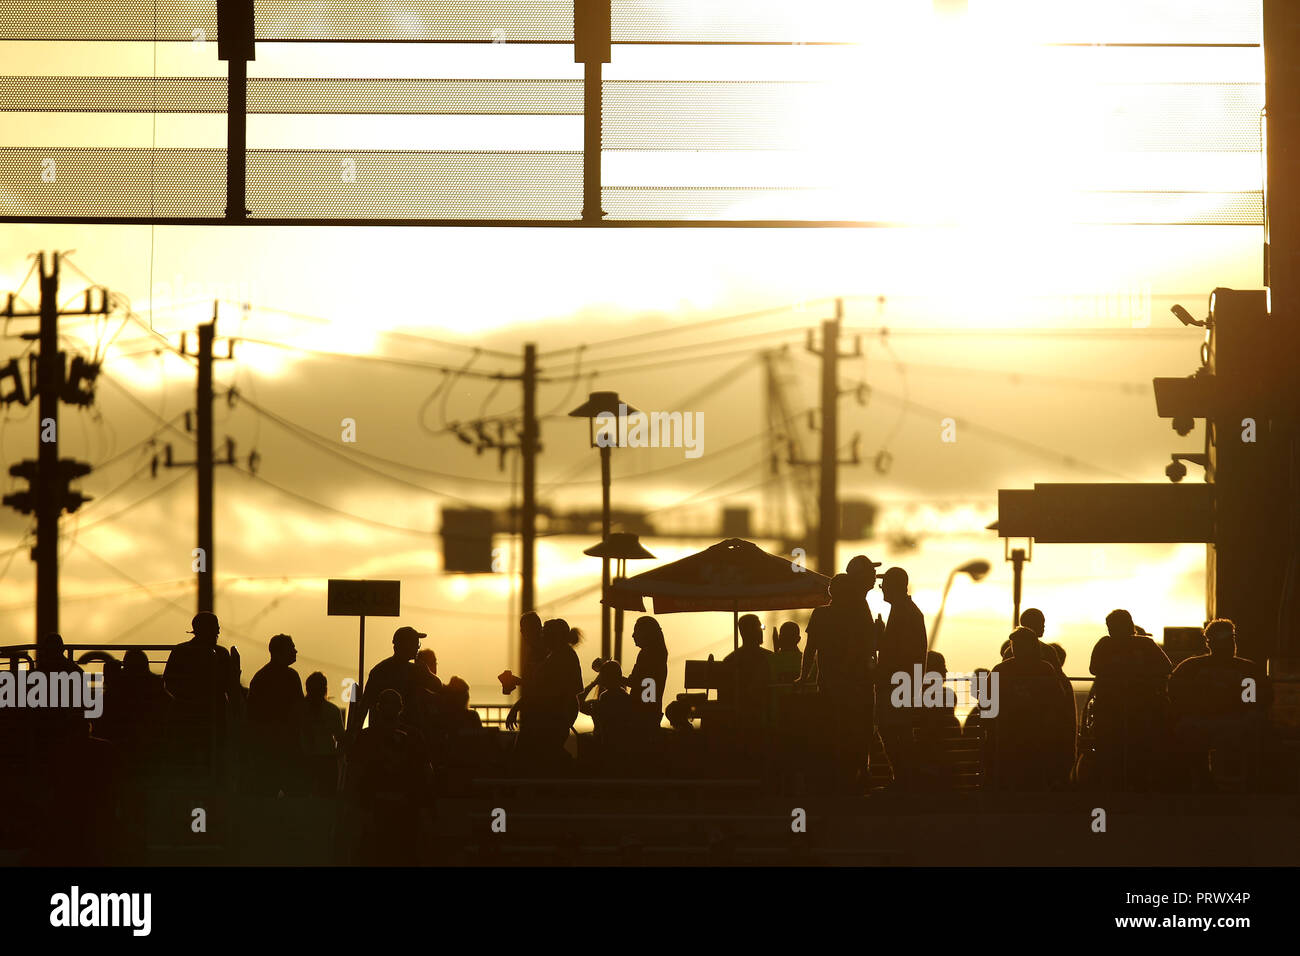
x,y
733,575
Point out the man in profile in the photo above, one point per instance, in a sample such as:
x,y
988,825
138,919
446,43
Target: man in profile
x,y
902,648
392,673
275,713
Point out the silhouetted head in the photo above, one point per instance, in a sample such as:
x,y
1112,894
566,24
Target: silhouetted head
x,y
205,627
893,584
935,663
457,693
1024,645
406,643
863,572
1221,637
49,649
387,709
1060,653
788,637
530,625
678,713
316,686
135,662
1119,623
610,676
751,630
1033,619
843,588
426,659
556,634
648,634
1005,650
282,650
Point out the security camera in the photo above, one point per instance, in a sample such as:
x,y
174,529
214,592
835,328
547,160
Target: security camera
x,y
1185,317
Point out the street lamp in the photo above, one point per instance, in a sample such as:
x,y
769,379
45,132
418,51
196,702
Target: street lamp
x,y
604,405
977,569
621,547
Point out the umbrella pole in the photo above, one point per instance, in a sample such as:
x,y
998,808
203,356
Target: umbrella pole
x,y
735,626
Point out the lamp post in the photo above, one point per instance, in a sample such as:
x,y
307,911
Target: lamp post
x,y
1018,558
611,411
622,547
977,570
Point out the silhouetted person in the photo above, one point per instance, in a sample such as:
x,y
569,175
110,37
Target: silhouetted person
x,y
1031,703
322,736
1130,703
550,701
202,678
461,716
1067,728
392,673
787,662
685,755
388,777
902,650
139,703
423,709
837,643
1218,702
749,676
531,655
937,726
617,720
649,676
275,708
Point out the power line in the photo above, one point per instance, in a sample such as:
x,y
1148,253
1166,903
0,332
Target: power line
x,y
422,532
381,359
406,336
692,327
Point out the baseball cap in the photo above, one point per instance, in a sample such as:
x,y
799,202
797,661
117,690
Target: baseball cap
x,y
407,631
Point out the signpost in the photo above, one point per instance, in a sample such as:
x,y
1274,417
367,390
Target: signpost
x,y
361,598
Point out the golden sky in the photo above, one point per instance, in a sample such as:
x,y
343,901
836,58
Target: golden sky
x,y
1041,332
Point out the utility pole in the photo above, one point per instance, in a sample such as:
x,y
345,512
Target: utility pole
x,y
528,515
828,522
203,440
204,555
48,475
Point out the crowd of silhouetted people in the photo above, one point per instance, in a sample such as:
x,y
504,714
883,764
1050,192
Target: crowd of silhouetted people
x,y
846,714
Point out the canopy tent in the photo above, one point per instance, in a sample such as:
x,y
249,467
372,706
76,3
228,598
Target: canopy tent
x,y
733,575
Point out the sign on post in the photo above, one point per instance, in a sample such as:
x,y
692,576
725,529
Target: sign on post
x,y
364,598
361,598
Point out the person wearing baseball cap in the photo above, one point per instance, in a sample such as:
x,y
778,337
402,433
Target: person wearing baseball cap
x,y
392,673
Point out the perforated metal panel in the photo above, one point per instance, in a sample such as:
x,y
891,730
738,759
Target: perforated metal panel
x,y
686,149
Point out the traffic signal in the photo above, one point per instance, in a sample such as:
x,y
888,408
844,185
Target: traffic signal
x,y
467,541
69,471
24,502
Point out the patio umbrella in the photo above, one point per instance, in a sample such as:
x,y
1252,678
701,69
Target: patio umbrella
x,y
733,575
